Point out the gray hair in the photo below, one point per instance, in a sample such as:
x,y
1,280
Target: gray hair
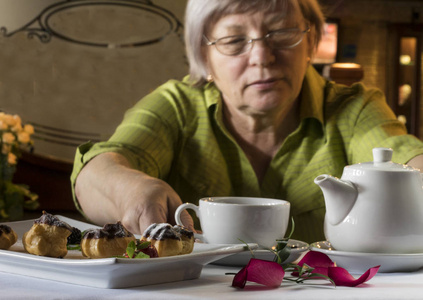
x,y
200,14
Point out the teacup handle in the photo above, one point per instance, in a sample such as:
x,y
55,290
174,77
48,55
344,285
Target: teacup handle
x,y
179,211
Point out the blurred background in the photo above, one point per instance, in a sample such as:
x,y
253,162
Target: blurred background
x,y
72,68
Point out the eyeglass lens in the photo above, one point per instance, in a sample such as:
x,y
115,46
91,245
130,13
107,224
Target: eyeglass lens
x,y
234,45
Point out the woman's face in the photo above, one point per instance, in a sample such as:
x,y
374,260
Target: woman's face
x,y
262,79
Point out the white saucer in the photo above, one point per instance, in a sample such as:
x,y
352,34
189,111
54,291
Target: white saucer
x,y
242,258
358,262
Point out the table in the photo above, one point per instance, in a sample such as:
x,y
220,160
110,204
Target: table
x,y
214,284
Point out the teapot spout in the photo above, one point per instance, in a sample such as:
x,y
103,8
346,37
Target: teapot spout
x,y
340,197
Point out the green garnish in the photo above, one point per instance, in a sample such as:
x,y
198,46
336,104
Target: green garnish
x,y
130,249
281,251
134,250
74,247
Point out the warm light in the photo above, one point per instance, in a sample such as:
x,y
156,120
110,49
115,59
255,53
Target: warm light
x,y
346,65
405,59
346,73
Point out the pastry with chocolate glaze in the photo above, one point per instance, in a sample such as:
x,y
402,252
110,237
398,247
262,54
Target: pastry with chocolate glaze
x,y
168,240
109,241
47,237
8,237
187,237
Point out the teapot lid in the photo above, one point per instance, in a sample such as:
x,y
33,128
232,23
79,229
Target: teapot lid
x,y
382,161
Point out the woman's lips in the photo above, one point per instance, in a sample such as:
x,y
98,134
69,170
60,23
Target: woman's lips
x,y
264,84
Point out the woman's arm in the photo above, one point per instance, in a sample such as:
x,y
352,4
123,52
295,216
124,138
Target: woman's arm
x,y
109,190
417,162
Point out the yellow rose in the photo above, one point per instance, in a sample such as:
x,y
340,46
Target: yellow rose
x,y
9,119
17,119
6,148
4,214
23,137
8,138
28,128
3,125
17,127
12,159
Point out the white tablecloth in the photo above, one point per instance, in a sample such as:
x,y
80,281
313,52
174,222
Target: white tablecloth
x,y
214,284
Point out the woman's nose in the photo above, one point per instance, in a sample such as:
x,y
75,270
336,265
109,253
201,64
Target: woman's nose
x,y
261,54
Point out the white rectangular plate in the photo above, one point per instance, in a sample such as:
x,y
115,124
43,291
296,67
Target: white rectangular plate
x,y
109,272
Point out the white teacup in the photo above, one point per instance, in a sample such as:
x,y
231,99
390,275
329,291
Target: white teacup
x,y
230,220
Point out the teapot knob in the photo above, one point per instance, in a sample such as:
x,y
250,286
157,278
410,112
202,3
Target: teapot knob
x,y
382,155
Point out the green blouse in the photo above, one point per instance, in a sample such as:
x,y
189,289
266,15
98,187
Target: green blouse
x,y
177,134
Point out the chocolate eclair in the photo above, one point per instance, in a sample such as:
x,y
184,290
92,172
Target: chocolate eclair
x,y
47,237
8,237
168,240
187,237
109,241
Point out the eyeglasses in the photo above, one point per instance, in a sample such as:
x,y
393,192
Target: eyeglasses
x,y
277,39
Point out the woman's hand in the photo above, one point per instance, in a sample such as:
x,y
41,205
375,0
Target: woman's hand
x,y
109,190
151,201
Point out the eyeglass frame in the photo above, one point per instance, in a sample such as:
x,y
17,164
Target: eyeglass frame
x,y
251,41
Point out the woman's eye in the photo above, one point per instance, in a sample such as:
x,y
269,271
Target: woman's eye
x,y
234,40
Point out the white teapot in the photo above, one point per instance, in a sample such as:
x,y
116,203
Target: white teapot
x,y
376,207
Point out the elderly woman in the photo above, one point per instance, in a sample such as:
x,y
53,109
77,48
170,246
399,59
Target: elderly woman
x,y
253,118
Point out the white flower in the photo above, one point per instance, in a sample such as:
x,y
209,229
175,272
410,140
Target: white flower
x,y
8,138
12,159
23,137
